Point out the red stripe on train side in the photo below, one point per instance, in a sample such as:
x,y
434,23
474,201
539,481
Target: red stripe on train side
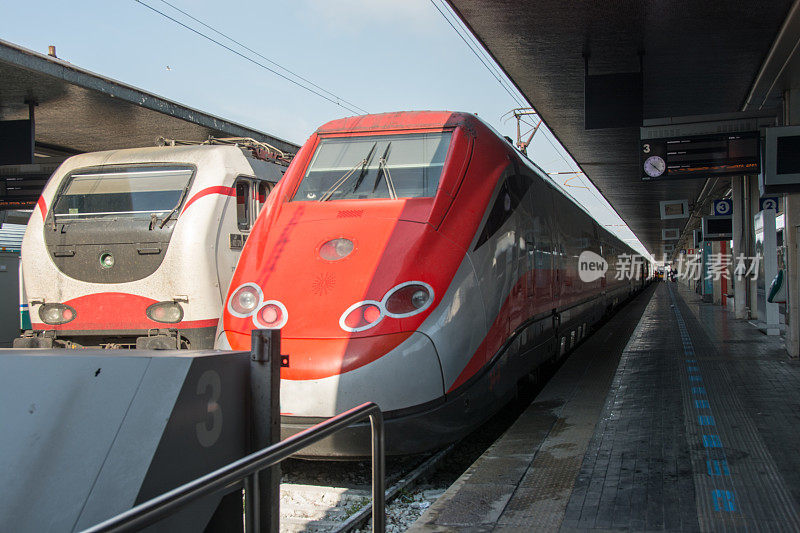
x,y
42,207
217,189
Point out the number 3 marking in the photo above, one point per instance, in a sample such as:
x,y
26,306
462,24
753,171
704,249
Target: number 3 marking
x,y
646,148
208,434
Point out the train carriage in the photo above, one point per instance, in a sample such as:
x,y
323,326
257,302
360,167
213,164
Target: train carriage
x,y
416,260
136,248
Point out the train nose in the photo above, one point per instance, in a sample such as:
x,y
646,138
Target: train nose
x,y
400,377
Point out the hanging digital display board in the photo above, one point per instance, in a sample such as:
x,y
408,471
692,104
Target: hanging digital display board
x,y
21,185
700,156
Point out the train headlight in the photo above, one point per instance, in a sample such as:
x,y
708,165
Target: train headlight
x,y
336,249
408,299
106,260
361,316
271,315
169,312
245,300
56,313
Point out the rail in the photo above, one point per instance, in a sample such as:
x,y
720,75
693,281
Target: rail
x,y
247,469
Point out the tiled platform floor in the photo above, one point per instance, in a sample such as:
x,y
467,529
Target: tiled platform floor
x,y
673,416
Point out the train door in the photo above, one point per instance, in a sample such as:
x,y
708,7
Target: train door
x,y
540,244
235,223
560,231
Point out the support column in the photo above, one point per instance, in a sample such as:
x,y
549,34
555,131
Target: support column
x,y
739,244
791,116
716,250
752,285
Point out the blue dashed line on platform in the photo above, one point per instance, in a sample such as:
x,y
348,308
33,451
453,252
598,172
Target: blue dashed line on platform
x,y
706,420
718,467
723,500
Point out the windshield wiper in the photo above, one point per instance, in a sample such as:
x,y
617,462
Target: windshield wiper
x,y
341,181
174,209
383,169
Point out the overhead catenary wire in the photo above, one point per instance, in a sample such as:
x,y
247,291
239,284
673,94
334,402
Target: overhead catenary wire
x,y
256,53
478,55
478,48
340,103
499,75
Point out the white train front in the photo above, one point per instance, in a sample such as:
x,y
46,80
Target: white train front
x,y
136,248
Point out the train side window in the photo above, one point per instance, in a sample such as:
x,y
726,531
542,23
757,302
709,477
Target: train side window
x,y
264,188
243,205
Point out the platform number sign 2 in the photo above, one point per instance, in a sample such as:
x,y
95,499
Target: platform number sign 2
x,y
770,202
723,207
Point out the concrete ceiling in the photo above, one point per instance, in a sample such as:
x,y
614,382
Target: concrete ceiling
x,y
697,57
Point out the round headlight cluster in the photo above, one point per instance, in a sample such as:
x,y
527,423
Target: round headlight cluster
x,y
403,300
245,300
271,315
248,301
55,314
408,299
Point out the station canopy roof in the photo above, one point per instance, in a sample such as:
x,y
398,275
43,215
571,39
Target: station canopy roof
x,y
696,57
80,111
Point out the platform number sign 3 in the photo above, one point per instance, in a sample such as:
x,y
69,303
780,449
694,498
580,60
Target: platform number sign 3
x,y
723,207
770,202
209,387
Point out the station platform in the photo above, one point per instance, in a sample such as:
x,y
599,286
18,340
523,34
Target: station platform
x,y
673,416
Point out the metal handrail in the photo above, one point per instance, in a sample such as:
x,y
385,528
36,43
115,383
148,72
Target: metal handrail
x,y
159,507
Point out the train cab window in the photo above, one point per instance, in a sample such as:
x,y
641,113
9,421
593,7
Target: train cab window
x,y
386,166
135,191
243,197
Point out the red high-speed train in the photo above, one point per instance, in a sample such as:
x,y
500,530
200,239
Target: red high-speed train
x,y
417,260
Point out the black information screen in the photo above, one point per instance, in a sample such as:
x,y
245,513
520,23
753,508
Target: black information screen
x,y
718,226
788,156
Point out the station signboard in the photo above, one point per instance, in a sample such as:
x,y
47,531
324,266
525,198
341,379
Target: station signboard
x,y
723,207
768,202
700,156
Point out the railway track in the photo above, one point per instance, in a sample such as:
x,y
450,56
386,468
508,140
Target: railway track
x,y
328,508
335,496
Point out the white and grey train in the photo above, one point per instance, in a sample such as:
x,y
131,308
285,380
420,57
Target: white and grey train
x,y
135,248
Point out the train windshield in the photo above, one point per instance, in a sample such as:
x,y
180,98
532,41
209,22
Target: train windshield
x,y
387,166
127,191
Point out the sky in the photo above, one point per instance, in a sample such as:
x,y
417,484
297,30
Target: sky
x,y
378,55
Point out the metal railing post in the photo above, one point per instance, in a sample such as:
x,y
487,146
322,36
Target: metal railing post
x,y
247,468
251,504
378,477
265,429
